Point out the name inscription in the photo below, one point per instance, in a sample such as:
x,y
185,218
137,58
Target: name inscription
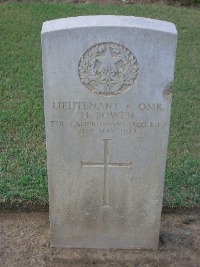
x,y
105,118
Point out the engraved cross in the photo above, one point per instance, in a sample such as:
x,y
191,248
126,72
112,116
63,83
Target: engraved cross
x,y
106,165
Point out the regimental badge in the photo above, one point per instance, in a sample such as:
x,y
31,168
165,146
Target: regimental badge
x,y
108,69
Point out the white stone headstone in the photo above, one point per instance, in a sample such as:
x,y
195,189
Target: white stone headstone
x,y
107,94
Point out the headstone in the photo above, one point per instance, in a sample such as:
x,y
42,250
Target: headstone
x,y
107,94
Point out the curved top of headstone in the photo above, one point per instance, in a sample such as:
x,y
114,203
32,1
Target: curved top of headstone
x,y
108,21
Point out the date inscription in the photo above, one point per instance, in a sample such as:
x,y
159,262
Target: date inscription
x,y
106,118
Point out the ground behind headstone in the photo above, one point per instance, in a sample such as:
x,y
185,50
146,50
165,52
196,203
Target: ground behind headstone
x,y
25,241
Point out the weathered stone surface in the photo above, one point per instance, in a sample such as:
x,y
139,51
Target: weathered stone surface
x,y
107,90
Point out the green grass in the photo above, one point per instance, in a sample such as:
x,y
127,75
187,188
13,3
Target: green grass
x,y
23,176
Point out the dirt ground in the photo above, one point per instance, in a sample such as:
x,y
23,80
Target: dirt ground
x,y
25,241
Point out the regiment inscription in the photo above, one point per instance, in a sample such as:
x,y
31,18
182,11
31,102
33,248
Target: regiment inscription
x,y
108,117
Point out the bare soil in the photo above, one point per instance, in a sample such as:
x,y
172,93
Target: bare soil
x,y
25,241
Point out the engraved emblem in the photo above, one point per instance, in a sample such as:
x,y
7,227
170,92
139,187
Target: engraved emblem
x,y
108,69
